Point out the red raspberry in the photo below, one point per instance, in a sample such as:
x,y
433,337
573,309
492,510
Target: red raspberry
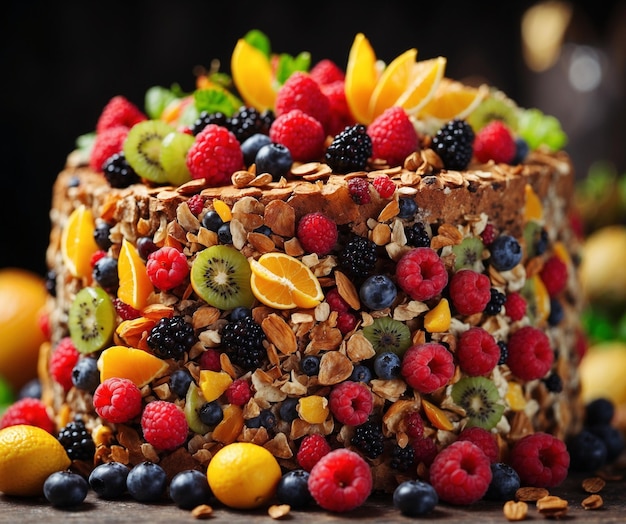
x,y
494,142
126,311
312,449
29,411
317,233
421,273
477,352
97,256
427,367
359,189
119,111
167,268
196,204
302,134
414,425
384,185
461,473
393,136
484,439
164,425
117,400
326,72
470,291
43,322
540,460
300,91
62,362
351,403
515,306
336,301
238,393
425,450
340,481
489,234
215,155
346,322
106,144
210,359
554,275
530,355
340,115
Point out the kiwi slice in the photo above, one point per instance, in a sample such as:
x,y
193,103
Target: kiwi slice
x,y
469,254
496,106
174,155
480,399
193,402
221,276
142,149
387,334
91,319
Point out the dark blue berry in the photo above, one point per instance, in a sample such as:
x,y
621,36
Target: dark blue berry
x,y
32,389
224,234
65,489
275,159
108,480
146,482
212,221
361,373
554,383
504,352
265,419
408,208
556,312
288,409
86,375
211,413
541,244
146,246
105,274
414,498
587,451
378,292
599,411
293,489
506,253
504,482
118,171
387,365
250,147
521,151
190,488
310,365
263,230
77,441
612,438
179,382
101,235
239,313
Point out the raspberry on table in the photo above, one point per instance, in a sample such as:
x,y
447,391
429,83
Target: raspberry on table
x,y
477,351
312,449
351,403
540,460
384,185
470,291
302,134
553,274
167,268
461,473
106,144
64,358
495,142
530,355
515,306
119,111
215,155
359,189
117,400
427,367
393,136
164,425
317,233
238,393
29,411
421,273
300,91
484,439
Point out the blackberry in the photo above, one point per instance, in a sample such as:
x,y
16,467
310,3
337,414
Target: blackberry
x,y
243,341
402,458
416,235
368,438
350,150
504,352
454,144
205,118
77,441
247,121
358,257
554,383
118,172
171,337
495,303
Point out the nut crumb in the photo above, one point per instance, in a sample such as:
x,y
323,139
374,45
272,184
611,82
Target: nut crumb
x,y
592,502
279,510
552,506
203,511
529,494
515,511
593,484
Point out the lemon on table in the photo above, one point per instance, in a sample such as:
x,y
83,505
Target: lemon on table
x,y
243,475
28,456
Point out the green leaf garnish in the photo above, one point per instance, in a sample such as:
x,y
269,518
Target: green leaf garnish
x,y
287,65
214,100
258,39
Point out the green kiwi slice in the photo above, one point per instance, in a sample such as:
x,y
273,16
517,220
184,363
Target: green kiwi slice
x,y
193,402
469,254
496,106
173,157
91,319
480,399
387,334
142,149
220,275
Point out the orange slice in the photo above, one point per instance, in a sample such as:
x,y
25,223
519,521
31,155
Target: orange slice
x,y
426,77
231,425
77,242
436,416
283,282
213,383
135,286
453,100
136,365
533,210
361,78
253,76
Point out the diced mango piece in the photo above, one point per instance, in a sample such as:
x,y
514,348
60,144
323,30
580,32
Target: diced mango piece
x,y
515,397
214,383
313,409
231,425
436,416
533,210
437,320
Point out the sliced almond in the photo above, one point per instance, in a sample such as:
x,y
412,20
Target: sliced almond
x,y
335,367
279,333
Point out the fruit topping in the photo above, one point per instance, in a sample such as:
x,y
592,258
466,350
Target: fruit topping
x,y
91,319
480,399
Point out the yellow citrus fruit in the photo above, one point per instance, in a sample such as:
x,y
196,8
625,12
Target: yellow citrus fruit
x,y
77,242
426,77
214,383
533,210
283,282
602,372
361,78
136,365
22,296
243,475
28,456
253,76
135,286
453,100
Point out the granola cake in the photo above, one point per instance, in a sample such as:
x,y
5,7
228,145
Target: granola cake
x,y
463,276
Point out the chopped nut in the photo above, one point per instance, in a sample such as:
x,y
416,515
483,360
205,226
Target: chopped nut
x,y
552,506
203,511
514,511
347,291
279,333
335,367
277,511
593,484
592,502
530,494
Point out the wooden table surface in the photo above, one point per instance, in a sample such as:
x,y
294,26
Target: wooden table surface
x,y
378,509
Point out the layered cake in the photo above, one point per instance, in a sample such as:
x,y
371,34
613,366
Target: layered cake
x,y
381,256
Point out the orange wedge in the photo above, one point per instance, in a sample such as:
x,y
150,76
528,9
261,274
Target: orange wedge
x,y
133,364
361,78
135,286
253,76
77,242
453,100
283,282
426,77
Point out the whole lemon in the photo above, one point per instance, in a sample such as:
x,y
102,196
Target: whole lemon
x,y
22,297
28,456
243,475
602,372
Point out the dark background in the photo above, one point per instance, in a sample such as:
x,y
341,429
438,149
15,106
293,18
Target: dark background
x,y
62,63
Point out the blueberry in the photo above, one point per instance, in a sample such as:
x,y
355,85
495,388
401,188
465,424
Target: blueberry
x,y
275,159
408,208
190,488
288,411
310,365
101,235
86,375
504,482
32,389
108,480
250,147
599,411
612,438
211,413
361,373
506,253
212,221
179,382
265,419
240,312
105,274
556,312
387,365
224,235
293,489
145,246
146,482
587,451
521,151
64,489
415,497
263,230
378,292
